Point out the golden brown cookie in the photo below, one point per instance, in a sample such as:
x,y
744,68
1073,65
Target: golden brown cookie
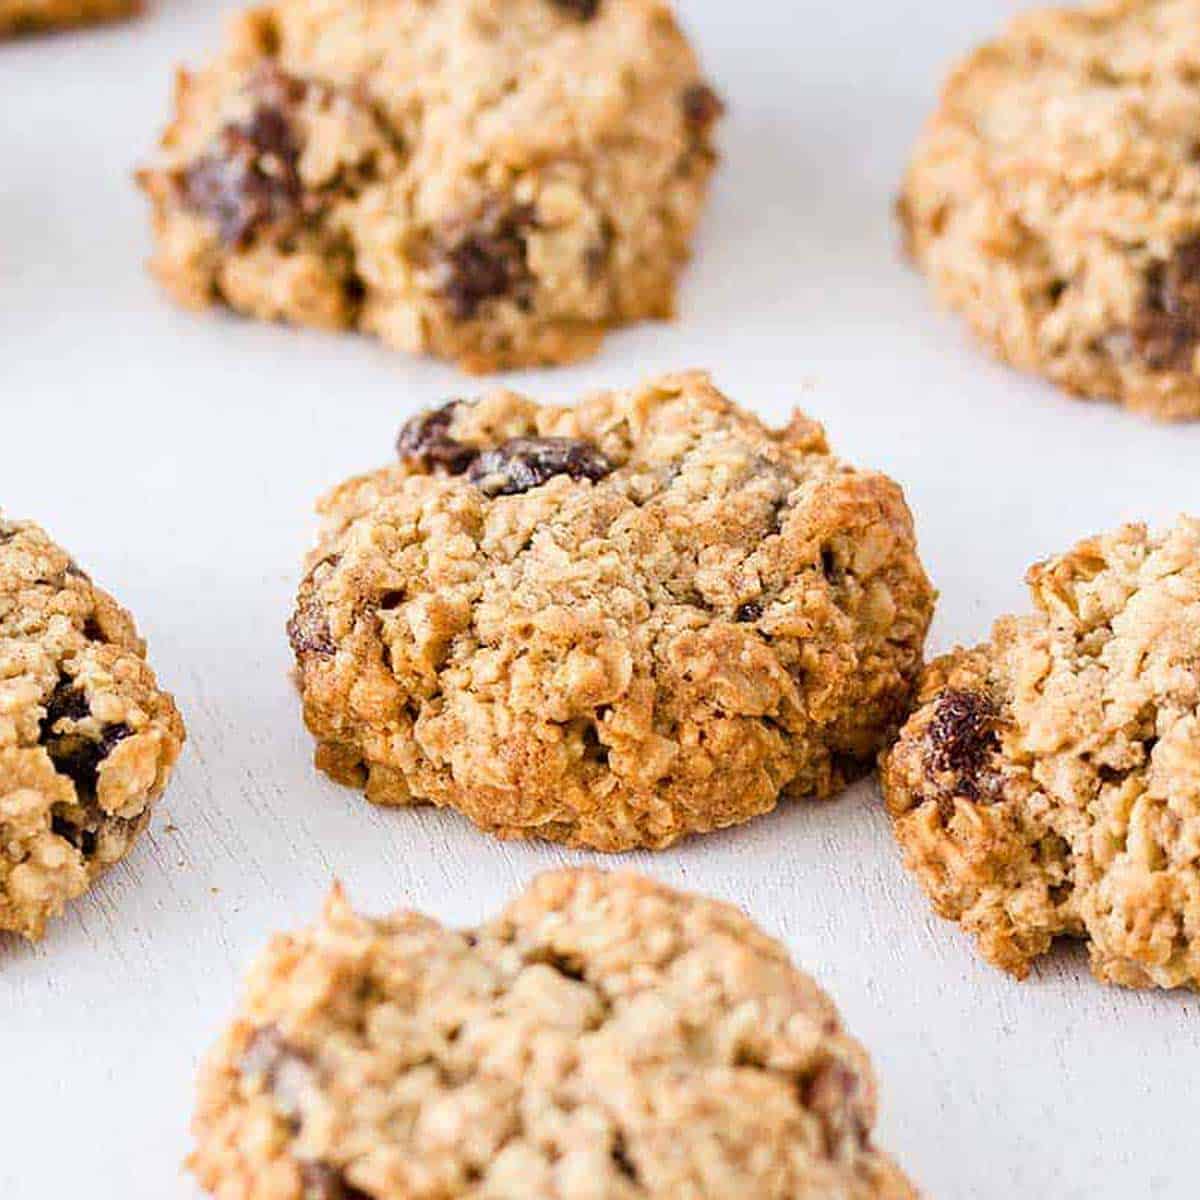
x,y
87,739
604,1038
1049,784
491,181
610,625
1054,199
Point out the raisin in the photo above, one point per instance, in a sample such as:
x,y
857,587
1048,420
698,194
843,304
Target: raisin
x,y
749,612
308,630
1166,328
585,10
962,738
523,463
79,758
112,735
487,261
84,840
425,439
701,105
250,177
66,703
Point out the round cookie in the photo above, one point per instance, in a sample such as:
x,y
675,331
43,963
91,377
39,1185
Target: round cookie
x,y
610,625
1054,199
87,739
1049,784
604,1038
22,16
491,181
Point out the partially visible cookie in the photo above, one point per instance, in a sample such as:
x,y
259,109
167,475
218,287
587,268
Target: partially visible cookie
x,y
20,16
490,181
1049,784
611,625
87,738
1054,199
604,1038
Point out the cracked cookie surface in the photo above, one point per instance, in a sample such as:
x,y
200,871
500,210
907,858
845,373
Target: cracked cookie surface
x,y
610,625
1049,784
604,1038
1054,199
490,181
87,739
24,16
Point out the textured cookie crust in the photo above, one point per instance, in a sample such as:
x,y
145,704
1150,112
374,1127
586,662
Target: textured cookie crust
x,y
688,616
605,1038
1054,199
491,181
1050,783
21,16
87,740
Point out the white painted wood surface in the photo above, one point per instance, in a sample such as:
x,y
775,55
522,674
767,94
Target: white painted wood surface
x,y
178,458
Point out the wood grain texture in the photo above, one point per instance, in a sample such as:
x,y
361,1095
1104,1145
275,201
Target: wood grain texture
x,y
178,458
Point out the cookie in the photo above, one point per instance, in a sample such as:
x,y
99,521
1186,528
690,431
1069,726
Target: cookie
x,y
1054,199
87,739
22,16
1049,784
609,625
494,182
604,1038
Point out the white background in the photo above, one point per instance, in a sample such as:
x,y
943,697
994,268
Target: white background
x,y
178,458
